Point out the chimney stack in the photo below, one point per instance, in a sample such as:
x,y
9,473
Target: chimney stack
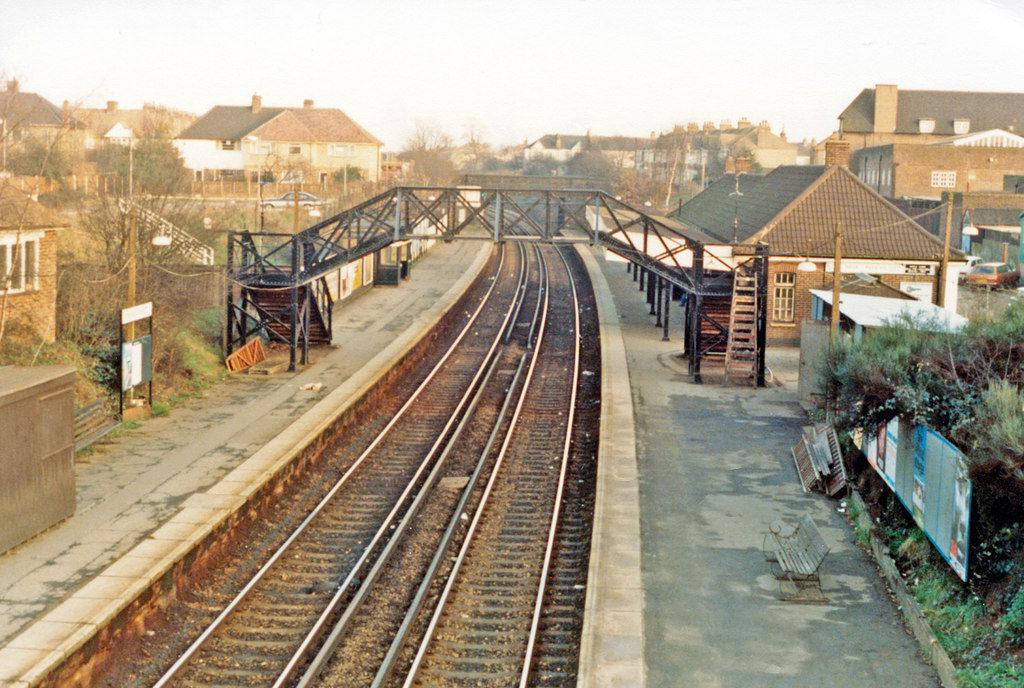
x,y
709,126
111,107
692,127
837,152
743,123
257,103
307,104
886,96
12,86
743,164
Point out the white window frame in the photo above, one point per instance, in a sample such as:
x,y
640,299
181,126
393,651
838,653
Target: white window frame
x,y
784,297
292,149
25,276
926,125
339,150
961,126
227,145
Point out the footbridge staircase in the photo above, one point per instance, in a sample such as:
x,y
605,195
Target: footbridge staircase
x,y
279,289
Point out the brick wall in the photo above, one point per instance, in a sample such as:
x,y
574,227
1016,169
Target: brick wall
x,y
38,308
788,334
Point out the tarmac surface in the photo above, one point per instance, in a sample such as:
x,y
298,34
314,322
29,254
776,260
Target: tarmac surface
x,y
691,476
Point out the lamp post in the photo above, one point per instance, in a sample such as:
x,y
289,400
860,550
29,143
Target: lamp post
x,y
255,141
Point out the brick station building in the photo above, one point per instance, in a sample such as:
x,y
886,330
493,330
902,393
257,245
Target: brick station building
x,y
797,210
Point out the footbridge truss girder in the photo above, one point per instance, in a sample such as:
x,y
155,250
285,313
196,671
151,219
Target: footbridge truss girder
x,y
688,262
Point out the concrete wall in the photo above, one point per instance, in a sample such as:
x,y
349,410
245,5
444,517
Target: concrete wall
x,y
37,454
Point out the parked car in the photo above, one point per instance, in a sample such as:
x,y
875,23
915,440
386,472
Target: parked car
x,y
971,262
993,275
306,200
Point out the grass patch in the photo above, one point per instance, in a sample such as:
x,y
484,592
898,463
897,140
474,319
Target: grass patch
x,y
995,675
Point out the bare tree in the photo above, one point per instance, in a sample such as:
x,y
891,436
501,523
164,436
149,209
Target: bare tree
x,y
430,150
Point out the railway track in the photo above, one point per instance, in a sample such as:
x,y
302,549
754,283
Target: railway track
x,y
443,555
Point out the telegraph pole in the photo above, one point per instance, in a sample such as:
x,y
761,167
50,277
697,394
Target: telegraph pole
x,y
944,266
837,279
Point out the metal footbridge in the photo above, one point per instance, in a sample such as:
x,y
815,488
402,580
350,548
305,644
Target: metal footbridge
x,y
278,287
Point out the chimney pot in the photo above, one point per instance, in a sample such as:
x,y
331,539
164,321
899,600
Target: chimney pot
x,y
257,103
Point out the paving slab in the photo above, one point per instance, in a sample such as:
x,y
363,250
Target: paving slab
x,y
130,493
715,469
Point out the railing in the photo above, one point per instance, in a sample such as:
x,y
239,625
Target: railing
x,y
186,244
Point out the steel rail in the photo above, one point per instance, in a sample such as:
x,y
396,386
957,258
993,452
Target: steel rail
x,y
191,651
387,666
464,416
481,507
552,531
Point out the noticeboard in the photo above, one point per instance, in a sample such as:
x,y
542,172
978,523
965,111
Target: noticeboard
x,y
929,475
136,362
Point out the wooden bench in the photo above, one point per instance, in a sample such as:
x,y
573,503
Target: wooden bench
x,y
796,557
92,423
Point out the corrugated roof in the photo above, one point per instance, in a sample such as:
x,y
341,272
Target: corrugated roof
x,y
984,110
878,311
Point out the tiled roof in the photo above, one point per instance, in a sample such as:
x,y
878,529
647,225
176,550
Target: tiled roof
x,y
29,109
228,123
795,210
19,212
321,125
145,122
763,197
984,110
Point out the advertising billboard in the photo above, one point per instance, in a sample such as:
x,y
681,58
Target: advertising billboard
x,y
929,475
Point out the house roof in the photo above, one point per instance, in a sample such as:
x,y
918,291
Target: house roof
x,y
19,212
18,108
604,143
984,110
795,209
320,125
148,121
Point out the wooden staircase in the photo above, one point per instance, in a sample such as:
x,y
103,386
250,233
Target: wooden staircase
x,y
741,350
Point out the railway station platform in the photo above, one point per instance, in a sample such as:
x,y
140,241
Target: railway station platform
x,y
691,476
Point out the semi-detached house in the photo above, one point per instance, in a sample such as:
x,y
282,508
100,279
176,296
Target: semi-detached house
x,y
306,144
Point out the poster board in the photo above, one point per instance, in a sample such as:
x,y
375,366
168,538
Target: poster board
x,y
929,476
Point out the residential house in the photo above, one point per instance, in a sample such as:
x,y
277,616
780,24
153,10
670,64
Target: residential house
x,y
886,115
692,155
799,211
306,144
114,124
621,151
28,117
28,261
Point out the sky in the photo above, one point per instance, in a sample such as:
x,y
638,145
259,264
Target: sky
x,y
515,70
